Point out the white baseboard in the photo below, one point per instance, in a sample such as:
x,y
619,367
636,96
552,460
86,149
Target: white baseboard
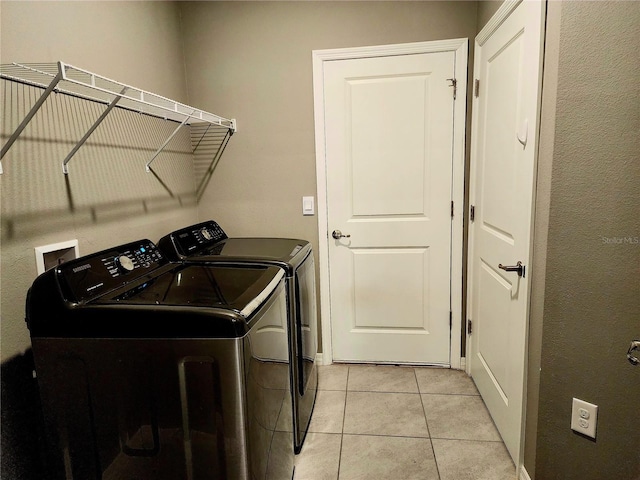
x,y
320,361
523,474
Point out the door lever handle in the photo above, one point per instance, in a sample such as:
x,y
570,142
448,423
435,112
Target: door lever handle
x,y
518,267
633,360
337,234
522,133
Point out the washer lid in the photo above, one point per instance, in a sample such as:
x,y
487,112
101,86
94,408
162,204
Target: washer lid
x,y
206,241
241,288
283,249
105,296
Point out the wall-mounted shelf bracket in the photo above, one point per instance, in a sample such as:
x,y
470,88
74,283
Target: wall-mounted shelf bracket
x,y
95,125
67,79
36,106
148,165
214,162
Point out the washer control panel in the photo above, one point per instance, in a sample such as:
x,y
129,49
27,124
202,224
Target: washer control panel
x,y
94,275
197,237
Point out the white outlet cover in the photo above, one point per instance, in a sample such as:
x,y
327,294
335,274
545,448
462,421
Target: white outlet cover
x,y
581,422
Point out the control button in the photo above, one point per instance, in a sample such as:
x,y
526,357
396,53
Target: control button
x,y
124,263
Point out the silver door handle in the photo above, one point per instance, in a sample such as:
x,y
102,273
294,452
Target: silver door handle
x,y
633,360
518,267
337,234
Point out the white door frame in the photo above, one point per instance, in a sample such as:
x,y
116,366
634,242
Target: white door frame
x,y
460,47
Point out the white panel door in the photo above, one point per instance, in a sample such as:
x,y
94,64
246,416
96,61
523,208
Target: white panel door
x,y
504,137
389,136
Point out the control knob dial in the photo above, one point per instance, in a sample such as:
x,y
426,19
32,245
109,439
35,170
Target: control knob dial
x,y
206,234
124,263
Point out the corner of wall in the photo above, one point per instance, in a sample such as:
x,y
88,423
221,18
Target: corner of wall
x,y
541,227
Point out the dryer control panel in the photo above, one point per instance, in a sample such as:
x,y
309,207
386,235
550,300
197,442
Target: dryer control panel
x,y
193,239
94,275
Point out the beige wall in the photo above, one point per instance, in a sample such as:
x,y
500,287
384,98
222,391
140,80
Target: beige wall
x,y
486,9
589,198
137,43
252,61
107,198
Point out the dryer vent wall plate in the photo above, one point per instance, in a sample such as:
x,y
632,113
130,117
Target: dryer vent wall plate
x,y
49,256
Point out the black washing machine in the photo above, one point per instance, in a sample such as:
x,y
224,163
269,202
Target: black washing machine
x,y
207,243
150,370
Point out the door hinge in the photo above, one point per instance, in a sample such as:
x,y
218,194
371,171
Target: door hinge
x,y
472,213
469,326
454,84
451,208
476,88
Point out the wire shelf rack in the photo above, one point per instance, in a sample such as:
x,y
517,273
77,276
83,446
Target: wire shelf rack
x,y
63,78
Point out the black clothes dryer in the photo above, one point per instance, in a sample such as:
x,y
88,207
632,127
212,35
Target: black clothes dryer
x,y
150,370
207,243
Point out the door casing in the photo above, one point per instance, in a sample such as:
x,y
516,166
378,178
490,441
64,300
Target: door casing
x,y
460,47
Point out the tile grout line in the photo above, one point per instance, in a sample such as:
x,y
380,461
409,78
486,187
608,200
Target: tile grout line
x,y
384,435
453,439
424,411
344,414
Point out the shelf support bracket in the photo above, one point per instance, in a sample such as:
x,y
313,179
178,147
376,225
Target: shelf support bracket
x,y
30,115
95,125
212,166
148,165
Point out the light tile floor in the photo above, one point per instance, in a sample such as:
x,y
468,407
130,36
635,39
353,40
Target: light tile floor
x,y
400,423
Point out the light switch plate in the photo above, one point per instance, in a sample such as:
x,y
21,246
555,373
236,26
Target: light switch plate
x,y
308,206
584,417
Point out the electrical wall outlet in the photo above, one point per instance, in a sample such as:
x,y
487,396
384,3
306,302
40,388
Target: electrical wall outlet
x,y
584,417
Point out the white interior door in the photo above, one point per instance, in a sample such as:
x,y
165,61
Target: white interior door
x,y
504,136
389,149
